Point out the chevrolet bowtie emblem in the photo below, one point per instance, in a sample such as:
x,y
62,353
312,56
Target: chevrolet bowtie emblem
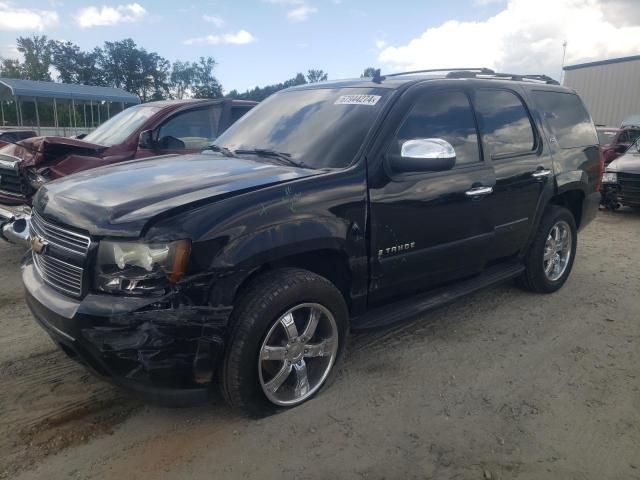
x,y
38,245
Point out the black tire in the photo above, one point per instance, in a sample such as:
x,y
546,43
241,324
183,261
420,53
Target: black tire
x,y
262,304
534,278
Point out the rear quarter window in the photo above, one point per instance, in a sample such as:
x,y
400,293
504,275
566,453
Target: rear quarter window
x,y
567,118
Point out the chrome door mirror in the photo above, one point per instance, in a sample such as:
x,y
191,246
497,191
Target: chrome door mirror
x,y
425,155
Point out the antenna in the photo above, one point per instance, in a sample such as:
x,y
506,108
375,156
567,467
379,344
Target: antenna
x,y
564,54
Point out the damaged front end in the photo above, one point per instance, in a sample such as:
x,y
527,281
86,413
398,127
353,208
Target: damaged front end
x,y
166,348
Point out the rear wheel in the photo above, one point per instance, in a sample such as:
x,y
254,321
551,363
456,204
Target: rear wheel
x,y
550,258
289,334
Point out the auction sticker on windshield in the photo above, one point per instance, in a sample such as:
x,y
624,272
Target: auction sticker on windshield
x,y
357,100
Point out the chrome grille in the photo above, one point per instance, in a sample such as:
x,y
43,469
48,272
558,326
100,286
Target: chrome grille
x,y
60,237
61,262
60,275
629,188
12,179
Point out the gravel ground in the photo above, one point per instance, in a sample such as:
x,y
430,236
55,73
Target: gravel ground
x,y
504,384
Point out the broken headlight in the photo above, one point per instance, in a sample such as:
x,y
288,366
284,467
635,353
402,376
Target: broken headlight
x,y
37,179
610,177
139,268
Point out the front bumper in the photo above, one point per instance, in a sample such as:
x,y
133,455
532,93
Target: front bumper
x,y
167,355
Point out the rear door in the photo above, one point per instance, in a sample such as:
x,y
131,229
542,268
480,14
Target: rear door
x,y
432,227
523,167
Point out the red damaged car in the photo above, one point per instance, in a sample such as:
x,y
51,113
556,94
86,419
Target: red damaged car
x,y
145,130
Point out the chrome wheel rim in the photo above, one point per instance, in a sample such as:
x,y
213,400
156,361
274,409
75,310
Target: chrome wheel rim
x,y
297,354
557,251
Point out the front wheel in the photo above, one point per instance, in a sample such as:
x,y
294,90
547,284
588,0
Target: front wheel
x,y
289,333
550,258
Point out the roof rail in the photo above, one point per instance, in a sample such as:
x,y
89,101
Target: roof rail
x,y
503,76
486,71
480,72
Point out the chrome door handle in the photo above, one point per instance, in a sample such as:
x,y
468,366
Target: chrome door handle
x,y
541,173
479,191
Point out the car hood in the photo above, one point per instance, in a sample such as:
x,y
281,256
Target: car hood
x,y
37,151
628,163
121,199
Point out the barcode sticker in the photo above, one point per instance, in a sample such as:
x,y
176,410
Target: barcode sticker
x,y
358,100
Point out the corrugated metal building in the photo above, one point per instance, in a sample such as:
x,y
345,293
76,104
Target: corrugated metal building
x,y
609,88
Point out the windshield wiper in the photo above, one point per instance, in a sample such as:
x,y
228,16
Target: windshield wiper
x,y
265,152
223,150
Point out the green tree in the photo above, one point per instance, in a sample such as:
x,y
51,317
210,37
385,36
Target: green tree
x,y
74,65
260,93
37,57
314,76
11,68
126,66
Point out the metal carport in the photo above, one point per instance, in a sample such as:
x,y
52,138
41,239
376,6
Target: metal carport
x,y
20,91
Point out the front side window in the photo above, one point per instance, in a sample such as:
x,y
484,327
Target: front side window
x,y
568,119
504,122
193,129
446,115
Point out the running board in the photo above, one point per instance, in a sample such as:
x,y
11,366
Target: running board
x,y
406,309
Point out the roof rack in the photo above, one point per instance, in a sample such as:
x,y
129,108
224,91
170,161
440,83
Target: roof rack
x,y
485,73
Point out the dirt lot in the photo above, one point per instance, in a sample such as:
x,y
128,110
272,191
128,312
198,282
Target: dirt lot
x,y
504,384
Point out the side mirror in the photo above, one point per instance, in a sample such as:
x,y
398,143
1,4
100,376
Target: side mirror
x,y
425,155
145,140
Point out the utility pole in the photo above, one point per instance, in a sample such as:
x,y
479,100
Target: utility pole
x,y
564,54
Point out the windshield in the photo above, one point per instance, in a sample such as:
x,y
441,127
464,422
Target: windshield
x,y
117,129
318,128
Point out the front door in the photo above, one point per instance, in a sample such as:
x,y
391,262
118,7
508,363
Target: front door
x,y
429,228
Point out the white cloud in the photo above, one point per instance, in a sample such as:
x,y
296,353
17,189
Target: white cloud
x,y
301,10
380,44
301,13
523,38
216,21
107,16
17,18
484,3
241,37
10,51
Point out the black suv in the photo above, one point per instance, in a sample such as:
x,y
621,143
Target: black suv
x,y
337,206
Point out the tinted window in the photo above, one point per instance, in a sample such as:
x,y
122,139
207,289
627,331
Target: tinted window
x,y
196,129
504,122
320,127
8,137
445,115
567,118
237,112
605,137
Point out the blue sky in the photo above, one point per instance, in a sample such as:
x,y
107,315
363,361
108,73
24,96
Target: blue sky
x,y
258,42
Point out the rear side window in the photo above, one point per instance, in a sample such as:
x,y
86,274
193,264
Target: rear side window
x,y
568,119
445,115
504,122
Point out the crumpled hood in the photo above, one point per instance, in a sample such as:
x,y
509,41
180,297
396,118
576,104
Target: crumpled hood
x,y
36,151
628,163
120,199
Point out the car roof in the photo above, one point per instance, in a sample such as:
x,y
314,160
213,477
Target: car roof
x,y
402,80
